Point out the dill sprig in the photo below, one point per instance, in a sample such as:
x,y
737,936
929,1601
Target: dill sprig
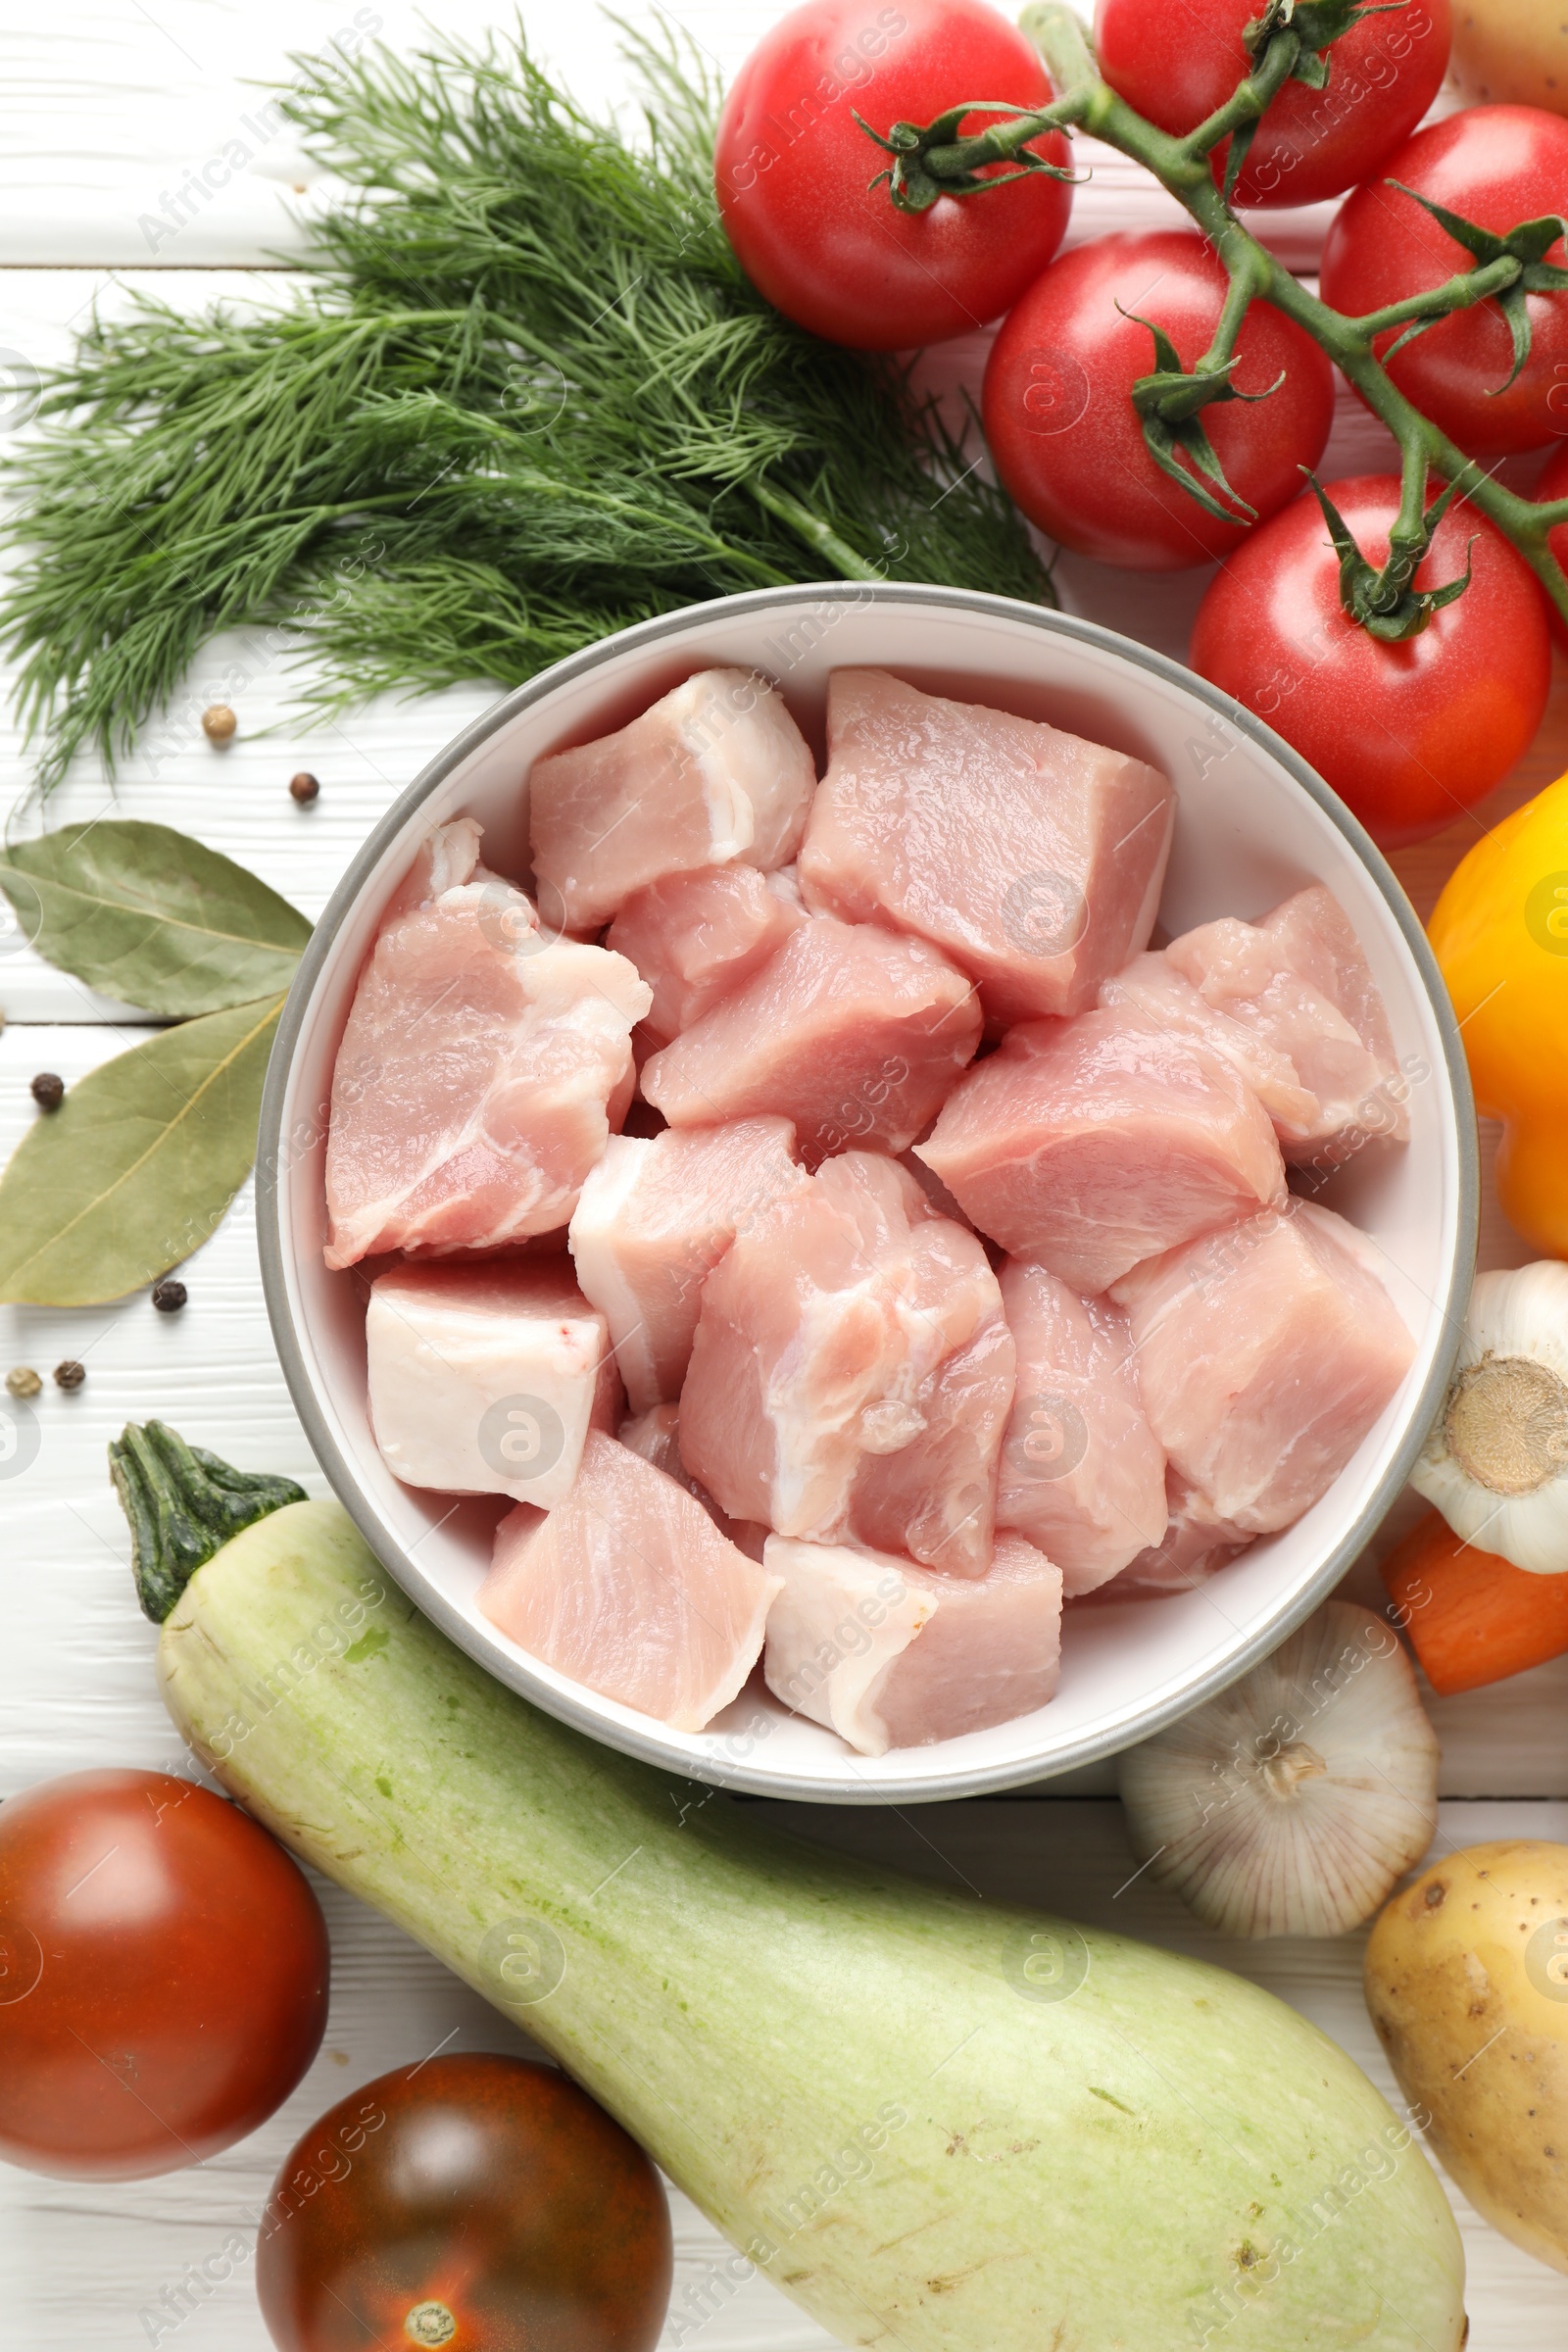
x,y
525,396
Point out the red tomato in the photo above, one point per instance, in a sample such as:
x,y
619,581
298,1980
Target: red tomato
x,y
1065,434
1499,166
1553,484
1410,735
481,2204
793,169
162,1976
1178,65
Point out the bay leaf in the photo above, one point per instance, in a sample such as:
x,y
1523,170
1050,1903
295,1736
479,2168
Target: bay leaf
x,y
151,916
138,1164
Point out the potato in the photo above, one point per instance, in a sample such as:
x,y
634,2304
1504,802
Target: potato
x,y
1467,1983
1512,50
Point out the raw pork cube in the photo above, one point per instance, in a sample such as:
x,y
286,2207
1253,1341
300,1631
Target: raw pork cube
x,y
852,1374
1094,1143
1316,938
1264,1355
656,1435
697,937
629,1587
1081,1473
1151,990
1031,858
479,1076
1299,981
485,1379
851,1031
890,1655
656,1216
716,770
1196,1546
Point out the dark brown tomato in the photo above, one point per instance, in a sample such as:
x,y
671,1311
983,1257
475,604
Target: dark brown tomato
x,y
474,2204
162,1976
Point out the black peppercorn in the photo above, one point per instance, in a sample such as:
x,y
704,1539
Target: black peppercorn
x,y
304,786
48,1091
70,1374
168,1296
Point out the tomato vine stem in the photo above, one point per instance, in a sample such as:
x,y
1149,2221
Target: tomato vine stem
x,y
1086,102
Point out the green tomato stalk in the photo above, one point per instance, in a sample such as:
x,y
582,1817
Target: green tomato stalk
x,y
1290,40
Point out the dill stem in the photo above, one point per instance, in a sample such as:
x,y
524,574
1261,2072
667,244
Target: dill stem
x,y
816,532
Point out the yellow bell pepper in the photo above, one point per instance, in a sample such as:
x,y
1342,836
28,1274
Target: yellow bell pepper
x,y
1500,935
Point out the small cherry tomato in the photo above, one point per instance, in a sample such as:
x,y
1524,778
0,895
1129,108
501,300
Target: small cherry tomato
x,y
1552,485
1500,167
480,2204
794,171
162,1976
1059,418
1179,65
1409,735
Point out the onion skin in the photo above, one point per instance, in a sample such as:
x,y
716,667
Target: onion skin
x,y
1290,1804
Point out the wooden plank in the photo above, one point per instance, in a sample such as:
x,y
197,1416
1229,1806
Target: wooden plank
x,y
135,138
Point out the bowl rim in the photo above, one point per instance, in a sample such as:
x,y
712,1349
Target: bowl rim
x,y
580,1711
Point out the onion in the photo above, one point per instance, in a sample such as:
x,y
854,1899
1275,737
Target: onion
x,y
1292,1803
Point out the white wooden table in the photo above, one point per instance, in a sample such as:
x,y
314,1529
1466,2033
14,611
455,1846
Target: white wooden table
x,y
107,109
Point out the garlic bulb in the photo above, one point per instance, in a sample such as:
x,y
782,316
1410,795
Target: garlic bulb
x,y
1497,1460
1290,1804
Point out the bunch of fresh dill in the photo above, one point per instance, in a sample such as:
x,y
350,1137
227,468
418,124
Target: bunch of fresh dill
x,y
526,397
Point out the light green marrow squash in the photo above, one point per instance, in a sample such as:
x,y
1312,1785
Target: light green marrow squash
x,y
937,2124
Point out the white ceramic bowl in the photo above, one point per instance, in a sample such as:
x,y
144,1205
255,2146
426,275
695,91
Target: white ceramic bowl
x,y
1254,824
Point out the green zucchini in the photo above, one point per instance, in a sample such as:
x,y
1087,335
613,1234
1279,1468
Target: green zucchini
x,y
938,2125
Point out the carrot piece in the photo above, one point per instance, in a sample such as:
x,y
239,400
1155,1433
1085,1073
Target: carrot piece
x,y
1472,1617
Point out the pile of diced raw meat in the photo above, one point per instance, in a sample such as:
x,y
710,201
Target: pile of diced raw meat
x,y
830,1225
